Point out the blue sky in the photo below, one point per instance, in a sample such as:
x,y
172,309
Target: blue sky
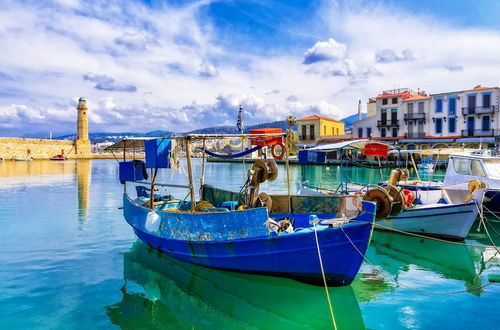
x,y
182,65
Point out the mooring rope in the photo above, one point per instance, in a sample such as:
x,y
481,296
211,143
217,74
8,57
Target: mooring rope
x,y
324,278
405,285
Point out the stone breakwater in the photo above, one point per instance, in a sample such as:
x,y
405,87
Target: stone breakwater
x,y
38,148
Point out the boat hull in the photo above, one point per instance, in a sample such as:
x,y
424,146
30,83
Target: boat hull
x,y
292,255
446,221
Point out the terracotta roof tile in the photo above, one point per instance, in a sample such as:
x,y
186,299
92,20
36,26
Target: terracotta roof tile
x,y
313,117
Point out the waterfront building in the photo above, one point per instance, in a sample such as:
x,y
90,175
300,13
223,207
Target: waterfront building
x,y
388,122
312,129
11,147
443,120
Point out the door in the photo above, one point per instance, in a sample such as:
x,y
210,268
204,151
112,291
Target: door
x,y
472,103
470,126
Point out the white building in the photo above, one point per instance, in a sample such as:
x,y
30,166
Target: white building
x,y
467,118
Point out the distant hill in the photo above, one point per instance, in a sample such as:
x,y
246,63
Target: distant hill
x,y
100,137
348,121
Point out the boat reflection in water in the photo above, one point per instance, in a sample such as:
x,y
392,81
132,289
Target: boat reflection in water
x,y
399,254
182,295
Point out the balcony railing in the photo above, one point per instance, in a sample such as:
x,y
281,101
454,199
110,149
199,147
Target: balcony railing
x,y
414,116
477,133
478,110
387,123
307,137
415,135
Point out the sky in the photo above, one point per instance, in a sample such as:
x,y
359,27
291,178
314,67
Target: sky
x,y
181,65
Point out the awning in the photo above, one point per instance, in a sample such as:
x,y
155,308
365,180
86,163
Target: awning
x,y
427,140
131,143
476,140
354,144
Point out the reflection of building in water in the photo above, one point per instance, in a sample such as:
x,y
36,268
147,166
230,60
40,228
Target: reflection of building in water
x,y
83,174
181,295
40,173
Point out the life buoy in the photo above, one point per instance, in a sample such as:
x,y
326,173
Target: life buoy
x,y
281,154
409,197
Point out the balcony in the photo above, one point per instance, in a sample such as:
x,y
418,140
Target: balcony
x,y
479,110
307,137
415,116
477,133
415,135
387,123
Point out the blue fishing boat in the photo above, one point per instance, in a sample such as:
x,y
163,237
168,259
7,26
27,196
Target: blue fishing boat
x,y
245,237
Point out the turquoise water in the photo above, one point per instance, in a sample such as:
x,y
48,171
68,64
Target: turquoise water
x,y
68,260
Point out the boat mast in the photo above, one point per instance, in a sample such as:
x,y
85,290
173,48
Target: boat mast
x,y
190,172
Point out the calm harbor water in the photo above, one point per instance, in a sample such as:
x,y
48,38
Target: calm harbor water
x,y
68,260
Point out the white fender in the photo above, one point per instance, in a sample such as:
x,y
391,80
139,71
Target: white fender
x,y
152,222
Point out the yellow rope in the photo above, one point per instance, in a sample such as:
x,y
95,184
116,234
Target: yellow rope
x,y
324,278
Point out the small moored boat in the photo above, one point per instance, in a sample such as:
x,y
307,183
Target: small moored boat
x,y
59,157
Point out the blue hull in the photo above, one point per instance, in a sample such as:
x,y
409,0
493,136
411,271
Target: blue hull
x,y
292,255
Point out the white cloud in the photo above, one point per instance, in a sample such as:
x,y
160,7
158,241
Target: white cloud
x,y
185,80
324,51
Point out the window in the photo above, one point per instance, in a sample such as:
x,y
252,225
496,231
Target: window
x,y
333,132
476,169
394,132
438,126
360,132
304,132
311,131
486,100
485,123
394,100
394,116
337,131
324,129
382,132
410,107
439,105
492,168
384,101
420,107
368,132
452,105
452,125
461,166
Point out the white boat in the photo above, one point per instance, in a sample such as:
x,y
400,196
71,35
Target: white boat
x,y
464,167
428,167
448,217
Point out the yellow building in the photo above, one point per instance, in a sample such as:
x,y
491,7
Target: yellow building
x,y
312,128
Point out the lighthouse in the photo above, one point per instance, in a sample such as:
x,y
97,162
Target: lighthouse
x,y
82,130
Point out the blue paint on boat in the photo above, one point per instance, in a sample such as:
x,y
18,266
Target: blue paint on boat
x,y
239,241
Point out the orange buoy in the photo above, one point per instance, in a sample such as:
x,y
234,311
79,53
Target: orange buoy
x,y
409,197
281,154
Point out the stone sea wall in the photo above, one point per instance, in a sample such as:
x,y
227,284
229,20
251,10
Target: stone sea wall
x,y
39,148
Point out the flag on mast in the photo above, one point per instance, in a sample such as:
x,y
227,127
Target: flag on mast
x,y
239,123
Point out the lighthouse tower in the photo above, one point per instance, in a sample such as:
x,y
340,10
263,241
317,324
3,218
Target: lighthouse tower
x,y
82,142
